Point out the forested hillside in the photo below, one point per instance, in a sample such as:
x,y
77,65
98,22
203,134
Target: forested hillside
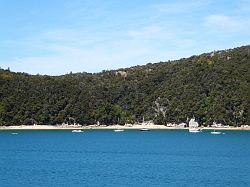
x,y
210,87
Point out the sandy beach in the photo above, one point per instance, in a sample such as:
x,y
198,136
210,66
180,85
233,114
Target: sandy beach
x,y
111,127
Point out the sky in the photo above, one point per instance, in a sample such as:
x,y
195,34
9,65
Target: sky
x,y
55,37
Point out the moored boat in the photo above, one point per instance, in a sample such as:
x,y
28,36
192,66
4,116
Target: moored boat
x,y
216,132
194,130
144,129
193,126
77,131
119,130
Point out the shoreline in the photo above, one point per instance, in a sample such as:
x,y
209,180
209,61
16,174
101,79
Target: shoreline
x,y
111,127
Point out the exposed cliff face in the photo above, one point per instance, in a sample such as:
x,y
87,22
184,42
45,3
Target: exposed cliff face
x,y
211,87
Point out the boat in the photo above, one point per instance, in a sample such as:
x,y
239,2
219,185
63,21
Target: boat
x,y
77,131
193,126
144,129
216,132
119,130
14,133
194,130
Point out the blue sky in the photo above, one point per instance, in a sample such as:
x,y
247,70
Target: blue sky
x,y
58,36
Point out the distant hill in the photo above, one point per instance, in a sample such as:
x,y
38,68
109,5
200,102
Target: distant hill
x,y
210,87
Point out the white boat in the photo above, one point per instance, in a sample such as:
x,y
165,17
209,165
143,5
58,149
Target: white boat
x,y
119,130
144,129
77,131
216,132
194,130
14,133
193,126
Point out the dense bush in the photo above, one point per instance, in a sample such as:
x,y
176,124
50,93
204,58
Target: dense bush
x,y
210,87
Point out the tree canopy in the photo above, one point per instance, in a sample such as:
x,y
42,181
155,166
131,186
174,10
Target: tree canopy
x,y
210,87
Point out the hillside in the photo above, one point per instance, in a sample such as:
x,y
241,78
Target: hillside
x,y
210,87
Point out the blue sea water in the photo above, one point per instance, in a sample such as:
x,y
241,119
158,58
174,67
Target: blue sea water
x,y
129,158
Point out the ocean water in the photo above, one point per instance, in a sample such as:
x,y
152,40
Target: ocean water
x,y
129,158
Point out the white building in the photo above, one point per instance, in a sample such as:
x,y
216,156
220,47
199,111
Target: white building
x,y
217,125
182,125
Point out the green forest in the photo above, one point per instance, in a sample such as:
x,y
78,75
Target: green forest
x,y
210,87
